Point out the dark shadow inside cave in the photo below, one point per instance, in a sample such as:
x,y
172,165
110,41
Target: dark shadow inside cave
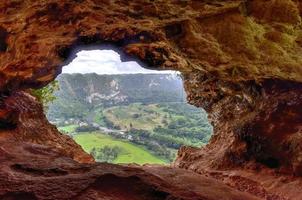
x,y
121,112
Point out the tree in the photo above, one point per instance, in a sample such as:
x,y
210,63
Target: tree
x,y
106,154
93,152
46,95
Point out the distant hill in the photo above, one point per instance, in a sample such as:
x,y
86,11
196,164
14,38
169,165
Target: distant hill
x,y
80,93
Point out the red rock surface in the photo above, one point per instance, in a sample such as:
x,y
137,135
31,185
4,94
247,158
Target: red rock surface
x,y
241,61
27,123
44,173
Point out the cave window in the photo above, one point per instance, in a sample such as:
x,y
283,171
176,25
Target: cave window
x,y
121,112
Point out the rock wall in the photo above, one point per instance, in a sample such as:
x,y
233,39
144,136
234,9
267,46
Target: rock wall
x,y
240,61
22,120
253,123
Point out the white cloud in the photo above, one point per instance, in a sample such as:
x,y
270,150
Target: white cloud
x,y
104,62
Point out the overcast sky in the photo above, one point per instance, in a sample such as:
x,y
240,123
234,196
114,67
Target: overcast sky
x,y
104,62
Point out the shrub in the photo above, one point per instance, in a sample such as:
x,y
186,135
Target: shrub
x,y
46,95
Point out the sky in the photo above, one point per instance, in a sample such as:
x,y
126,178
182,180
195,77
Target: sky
x,y
104,62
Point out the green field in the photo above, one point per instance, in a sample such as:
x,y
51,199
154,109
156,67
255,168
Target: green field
x,y
139,116
131,153
156,132
68,129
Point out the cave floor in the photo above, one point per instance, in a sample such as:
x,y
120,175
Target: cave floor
x,y
31,171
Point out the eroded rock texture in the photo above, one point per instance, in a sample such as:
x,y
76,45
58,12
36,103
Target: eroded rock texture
x,y
42,173
241,61
22,119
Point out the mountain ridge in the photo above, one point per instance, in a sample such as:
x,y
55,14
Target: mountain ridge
x,y
89,91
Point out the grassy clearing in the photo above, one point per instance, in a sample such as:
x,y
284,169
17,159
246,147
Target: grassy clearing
x,y
130,153
145,117
68,129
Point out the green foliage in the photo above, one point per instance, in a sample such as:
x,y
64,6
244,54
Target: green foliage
x,y
46,94
106,154
86,128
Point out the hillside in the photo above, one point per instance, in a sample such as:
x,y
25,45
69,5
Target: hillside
x,y
80,93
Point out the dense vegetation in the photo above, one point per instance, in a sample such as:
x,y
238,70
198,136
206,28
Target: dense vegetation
x,y
106,153
111,115
162,128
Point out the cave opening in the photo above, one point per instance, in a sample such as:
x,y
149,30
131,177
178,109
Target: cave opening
x,y
122,112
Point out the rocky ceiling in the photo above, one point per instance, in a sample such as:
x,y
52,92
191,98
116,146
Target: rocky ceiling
x,y
241,61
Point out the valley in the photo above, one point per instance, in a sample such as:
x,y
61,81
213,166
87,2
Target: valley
x,y
134,130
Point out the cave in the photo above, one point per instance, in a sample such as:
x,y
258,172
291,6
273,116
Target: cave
x,y
240,61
